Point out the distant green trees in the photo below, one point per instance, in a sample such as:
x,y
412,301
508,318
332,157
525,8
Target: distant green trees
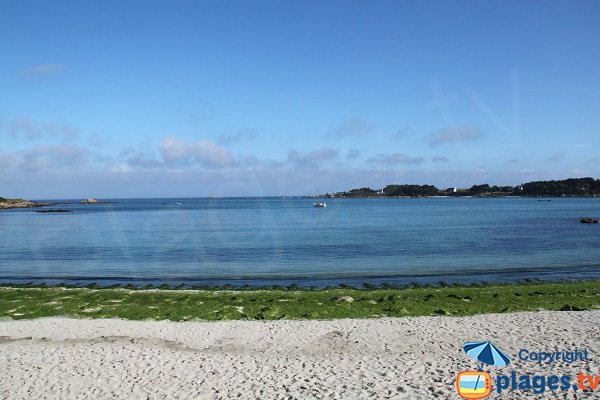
x,y
365,191
410,190
479,189
503,189
2,200
566,187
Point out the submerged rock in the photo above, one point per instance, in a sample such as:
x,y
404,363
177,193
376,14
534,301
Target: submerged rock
x,y
589,221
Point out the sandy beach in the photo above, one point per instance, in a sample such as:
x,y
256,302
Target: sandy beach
x,y
400,358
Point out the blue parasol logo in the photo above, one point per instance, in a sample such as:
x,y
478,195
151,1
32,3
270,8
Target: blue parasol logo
x,y
477,385
486,353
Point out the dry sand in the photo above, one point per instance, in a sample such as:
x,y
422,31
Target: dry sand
x,y
402,358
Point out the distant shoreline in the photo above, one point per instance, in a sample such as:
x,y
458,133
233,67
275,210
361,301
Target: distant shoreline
x,y
573,187
467,196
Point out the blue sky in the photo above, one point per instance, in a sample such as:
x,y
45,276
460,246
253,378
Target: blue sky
x,y
193,98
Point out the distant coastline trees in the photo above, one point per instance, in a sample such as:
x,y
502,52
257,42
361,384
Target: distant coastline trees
x,y
410,190
566,187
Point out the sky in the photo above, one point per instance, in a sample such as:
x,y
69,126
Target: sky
x,y
253,98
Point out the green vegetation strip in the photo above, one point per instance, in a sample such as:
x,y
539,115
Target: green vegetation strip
x,y
259,304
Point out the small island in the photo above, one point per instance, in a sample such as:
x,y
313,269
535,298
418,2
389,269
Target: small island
x,y
93,201
22,203
18,203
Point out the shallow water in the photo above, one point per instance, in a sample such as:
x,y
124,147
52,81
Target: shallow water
x,y
284,241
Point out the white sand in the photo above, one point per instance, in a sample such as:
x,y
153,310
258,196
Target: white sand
x,y
404,358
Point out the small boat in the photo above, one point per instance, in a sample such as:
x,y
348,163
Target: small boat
x,y
319,204
178,204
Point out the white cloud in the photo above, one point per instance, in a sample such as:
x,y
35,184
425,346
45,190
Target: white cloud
x,y
54,157
142,161
454,135
206,153
394,158
122,167
8,160
136,159
249,161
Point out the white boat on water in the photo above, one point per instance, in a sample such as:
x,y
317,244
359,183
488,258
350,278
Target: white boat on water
x,y
319,204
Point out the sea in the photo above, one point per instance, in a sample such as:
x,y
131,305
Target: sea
x,y
287,241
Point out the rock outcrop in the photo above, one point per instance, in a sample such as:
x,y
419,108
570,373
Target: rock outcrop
x,y
18,203
589,221
93,201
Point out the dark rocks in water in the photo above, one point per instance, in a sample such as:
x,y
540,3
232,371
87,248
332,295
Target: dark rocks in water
x,y
55,211
589,221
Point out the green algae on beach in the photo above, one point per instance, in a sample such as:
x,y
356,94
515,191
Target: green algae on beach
x,y
22,302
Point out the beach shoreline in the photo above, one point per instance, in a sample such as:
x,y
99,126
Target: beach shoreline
x,y
387,358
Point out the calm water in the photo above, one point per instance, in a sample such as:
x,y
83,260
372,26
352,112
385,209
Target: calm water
x,y
283,241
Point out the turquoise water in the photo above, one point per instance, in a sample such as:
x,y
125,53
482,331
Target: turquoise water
x,y
284,241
